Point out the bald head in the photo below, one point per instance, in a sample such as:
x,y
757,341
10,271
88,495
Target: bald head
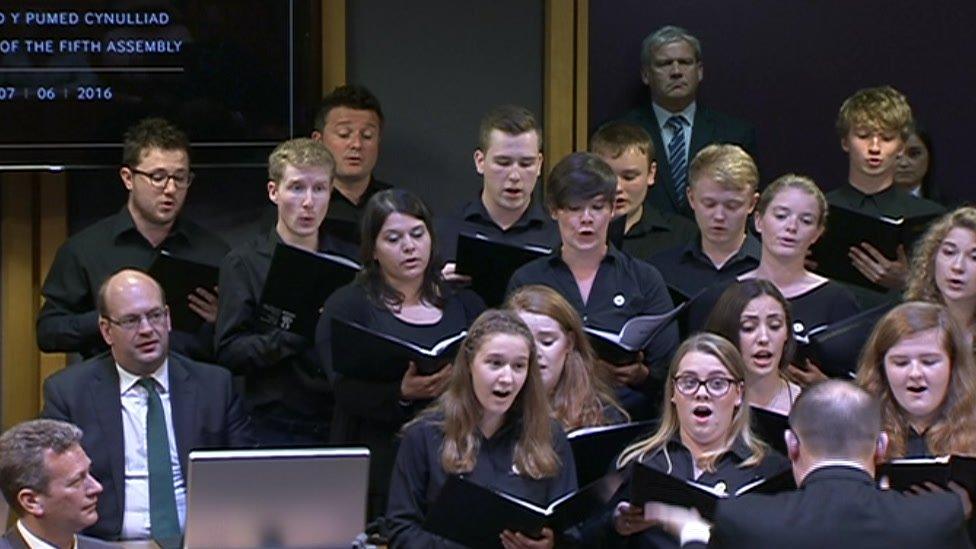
x,y
836,420
134,321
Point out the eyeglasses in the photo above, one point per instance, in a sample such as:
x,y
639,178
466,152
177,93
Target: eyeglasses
x,y
161,178
156,317
688,385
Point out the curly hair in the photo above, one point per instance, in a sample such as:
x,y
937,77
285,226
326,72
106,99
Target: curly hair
x,y
921,277
954,431
878,109
583,391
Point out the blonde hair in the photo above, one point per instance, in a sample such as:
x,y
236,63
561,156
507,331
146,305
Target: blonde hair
x,y
301,152
954,431
794,181
461,411
921,278
882,109
722,349
728,165
583,390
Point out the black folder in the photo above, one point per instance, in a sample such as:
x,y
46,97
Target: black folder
x,y
836,348
902,474
770,426
179,278
491,264
363,353
652,485
474,516
847,228
297,285
595,449
622,347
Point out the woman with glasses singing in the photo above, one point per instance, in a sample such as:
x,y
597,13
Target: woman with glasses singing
x,y
704,434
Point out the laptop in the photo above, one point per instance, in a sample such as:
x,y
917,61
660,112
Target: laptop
x,y
294,498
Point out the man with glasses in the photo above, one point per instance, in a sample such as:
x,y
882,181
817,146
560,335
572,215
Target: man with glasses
x,y
142,409
156,172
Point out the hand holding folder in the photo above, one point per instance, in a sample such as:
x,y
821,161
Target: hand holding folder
x,y
180,278
491,264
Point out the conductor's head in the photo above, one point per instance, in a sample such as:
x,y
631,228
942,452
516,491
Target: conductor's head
x,y
834,421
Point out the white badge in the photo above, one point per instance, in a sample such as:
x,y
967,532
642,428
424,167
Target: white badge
x,y
798,327
618,300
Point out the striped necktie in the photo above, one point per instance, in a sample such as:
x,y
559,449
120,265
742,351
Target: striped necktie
x,y
163,520
677,157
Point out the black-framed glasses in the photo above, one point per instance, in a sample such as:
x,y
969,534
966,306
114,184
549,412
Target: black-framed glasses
x,y
161,178
688,385
155,317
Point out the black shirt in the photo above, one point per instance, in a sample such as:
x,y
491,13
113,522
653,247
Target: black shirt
x,y
371,413
891,202
418,477
344,216
281,371
675,459
68,321
657,231
534,228
687,269
916,445
824,305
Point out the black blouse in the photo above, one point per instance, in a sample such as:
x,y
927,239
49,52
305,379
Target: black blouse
x,y
418,477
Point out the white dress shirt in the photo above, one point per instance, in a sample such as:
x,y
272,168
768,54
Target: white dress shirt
x,y
35,542
663,115
135,518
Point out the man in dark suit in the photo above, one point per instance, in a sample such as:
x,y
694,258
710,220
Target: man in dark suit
x,y
834,439
45,477
143,409
671,67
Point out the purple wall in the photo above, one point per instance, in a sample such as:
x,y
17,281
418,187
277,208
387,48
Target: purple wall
x,y
787,65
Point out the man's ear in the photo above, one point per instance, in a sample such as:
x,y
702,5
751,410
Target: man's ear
x,y
538,170
316,135
753,202
273,192
881,447
845,144
104,328
651,173
645,76
30,502
792,445
125,174
479,161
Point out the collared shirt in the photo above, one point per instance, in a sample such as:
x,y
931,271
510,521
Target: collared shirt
x,y
68,321
533,228
657,231
343,217
662,115
623,288
688,270
34,542
280,368
892,202
135,518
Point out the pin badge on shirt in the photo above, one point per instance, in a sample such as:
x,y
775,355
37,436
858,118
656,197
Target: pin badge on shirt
x,y
618,300
798,327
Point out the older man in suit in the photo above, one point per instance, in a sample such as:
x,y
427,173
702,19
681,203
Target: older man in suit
x,y
143,409
671,68
834,440
45,477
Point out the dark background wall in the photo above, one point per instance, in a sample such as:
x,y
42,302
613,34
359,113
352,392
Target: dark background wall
x,y
788,65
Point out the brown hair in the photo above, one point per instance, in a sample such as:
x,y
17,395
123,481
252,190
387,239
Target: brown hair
x,y
722,349
728,165
794,181
954,431
726,317
152,133
921,278
508,119
534,454
583,390
301,152
879,109
615,138
22,450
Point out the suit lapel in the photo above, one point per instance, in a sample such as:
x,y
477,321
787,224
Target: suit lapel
x,y
183,397
107,404
14,538
703,132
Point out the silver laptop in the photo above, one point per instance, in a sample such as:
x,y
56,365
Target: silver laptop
x,y
250,499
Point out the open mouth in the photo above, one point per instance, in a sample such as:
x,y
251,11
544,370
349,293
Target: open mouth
x,y
502,393
702,412
513,193
916,389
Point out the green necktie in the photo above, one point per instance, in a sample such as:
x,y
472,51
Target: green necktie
x,y
164,521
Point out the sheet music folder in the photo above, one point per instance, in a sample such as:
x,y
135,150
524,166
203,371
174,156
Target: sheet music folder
x,y
297,285
491,264
363,353
179,278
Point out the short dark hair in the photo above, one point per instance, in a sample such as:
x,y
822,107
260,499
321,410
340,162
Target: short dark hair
x,y
350,96
22,450
379,207
615,138
836,419
101,300
509,119
579,177
152,133
725,318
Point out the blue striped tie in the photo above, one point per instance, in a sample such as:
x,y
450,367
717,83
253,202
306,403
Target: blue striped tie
x,y
677,157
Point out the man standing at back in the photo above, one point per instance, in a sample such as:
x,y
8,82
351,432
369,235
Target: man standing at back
x,y
143,409
45,477
834,441
156,173
671,68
